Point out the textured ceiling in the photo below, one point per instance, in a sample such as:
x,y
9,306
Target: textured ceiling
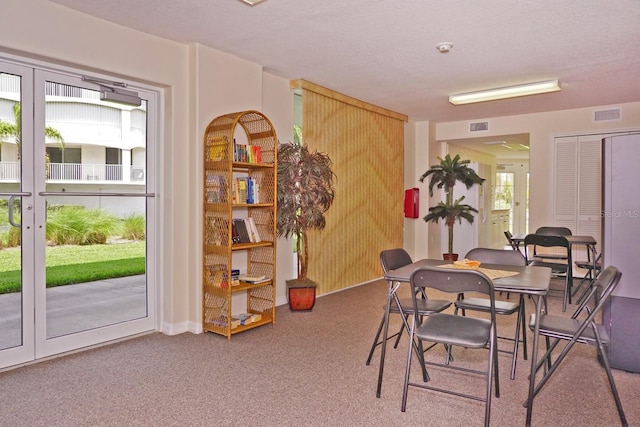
x,y
383,51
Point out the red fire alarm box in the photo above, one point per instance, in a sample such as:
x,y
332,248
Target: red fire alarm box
x,y
411,203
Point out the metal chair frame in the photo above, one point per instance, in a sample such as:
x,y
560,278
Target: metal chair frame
x,y
499,256
562,268
392,259
585,331
452,330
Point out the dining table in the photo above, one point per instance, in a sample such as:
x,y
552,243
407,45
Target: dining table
x,y
528,280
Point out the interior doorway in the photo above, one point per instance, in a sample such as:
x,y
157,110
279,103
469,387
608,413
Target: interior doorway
x,y
509,157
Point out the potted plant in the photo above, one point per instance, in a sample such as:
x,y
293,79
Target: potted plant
x,y
444,176
305,193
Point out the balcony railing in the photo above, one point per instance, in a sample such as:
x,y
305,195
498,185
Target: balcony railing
x,y
79,172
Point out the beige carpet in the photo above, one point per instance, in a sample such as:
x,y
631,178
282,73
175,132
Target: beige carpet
x,y
309,370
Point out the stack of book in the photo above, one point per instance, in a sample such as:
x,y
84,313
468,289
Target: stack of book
x,y
246,190
244,319
246,153
246,231
253,279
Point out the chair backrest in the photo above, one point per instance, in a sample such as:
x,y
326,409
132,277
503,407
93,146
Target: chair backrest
x,y
509,237
554,231
390,259
547,241
496,256
602,289
452,280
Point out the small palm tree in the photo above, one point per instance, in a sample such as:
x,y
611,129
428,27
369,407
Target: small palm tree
x,y
444,176
15,130
305,193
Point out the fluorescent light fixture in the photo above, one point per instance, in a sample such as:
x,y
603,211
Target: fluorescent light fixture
x,y
252,2
505,92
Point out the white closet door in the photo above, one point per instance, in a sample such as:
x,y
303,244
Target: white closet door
x,y
589,186
566,182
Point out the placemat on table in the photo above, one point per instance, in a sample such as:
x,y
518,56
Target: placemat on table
x,y
490,273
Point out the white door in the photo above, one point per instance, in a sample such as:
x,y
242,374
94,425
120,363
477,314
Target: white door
x,y
81,277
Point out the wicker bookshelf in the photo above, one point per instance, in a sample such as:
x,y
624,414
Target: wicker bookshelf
x,y
227,163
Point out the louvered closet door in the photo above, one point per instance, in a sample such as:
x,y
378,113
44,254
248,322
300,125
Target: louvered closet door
x,y
577,201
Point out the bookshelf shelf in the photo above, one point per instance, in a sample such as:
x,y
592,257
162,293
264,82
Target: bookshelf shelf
x,y
227,181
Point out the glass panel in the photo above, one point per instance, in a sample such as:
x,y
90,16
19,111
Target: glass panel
x,y
95,261
11,295
96,247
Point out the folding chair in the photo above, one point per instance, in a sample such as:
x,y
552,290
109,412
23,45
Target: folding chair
x,y
499,256
593,269
561,265
392,259
554,231
551,231
450,330
509,237
584,331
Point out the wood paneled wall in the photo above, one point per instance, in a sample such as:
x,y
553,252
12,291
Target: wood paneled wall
x,y
365,144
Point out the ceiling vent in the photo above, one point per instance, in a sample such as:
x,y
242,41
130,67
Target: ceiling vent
x,y
475,127
607,115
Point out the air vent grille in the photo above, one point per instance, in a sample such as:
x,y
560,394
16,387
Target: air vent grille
x,y
606,115
475,127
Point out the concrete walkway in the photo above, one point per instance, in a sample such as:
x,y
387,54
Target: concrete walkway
x,y
75,308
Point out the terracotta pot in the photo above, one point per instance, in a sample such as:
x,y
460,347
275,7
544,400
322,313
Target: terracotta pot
x,y
301,295
450,257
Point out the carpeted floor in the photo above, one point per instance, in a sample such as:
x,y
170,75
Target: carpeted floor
x,y
309,370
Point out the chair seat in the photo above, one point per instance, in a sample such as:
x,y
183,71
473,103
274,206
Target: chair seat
x,y
425,306
565,328
588,265
483,304
555,267
470,332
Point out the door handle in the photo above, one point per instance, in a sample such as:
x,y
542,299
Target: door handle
x,y
10,211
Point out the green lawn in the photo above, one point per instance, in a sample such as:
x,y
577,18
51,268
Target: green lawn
x,y
76,264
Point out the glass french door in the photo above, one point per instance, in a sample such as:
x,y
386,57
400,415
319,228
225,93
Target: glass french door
x,y
76,214
512,192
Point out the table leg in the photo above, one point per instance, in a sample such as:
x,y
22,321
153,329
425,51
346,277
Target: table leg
x,y
385,333
534,360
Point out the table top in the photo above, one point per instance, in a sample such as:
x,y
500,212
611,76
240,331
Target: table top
x,y
574,240
529,280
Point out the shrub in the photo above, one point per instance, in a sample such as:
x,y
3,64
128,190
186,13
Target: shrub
x,y
134,227
73,225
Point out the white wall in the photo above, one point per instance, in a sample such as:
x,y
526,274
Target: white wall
x,y
199,84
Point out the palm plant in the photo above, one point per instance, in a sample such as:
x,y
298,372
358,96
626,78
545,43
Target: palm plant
x,y
305,193
444,176
15,130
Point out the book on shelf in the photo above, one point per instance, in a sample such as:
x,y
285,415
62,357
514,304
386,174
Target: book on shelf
x,y
244,319
253,230
242,192
215,188
241,226
218,147
235,236
253,279
235,277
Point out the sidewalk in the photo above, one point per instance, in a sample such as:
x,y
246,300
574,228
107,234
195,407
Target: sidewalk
x,y
75,308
